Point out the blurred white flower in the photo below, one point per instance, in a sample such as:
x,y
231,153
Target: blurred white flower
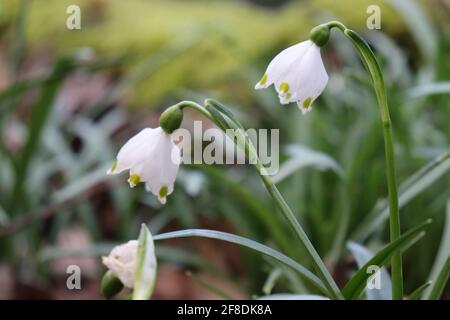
x,y
153,158
122,262
298,75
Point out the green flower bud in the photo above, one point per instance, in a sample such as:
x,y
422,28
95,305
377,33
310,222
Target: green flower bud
x,y
320,35
170,120
110,285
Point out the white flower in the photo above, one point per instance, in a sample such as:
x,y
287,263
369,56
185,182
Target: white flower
x,y
153,158
122,262
134,263
298,75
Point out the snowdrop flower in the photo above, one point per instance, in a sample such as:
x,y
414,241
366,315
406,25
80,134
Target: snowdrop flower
x,y
298,73
122,262
153,158
134,264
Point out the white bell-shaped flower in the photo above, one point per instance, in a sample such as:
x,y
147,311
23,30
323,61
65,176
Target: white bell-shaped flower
x,y
152,157
122,262
298,75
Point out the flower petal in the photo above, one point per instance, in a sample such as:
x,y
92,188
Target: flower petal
x,y
282,64
161,174
122,262
313,78
134,150
153,158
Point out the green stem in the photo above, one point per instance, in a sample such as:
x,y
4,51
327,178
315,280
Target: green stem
x,y
372,66
195,106
318,264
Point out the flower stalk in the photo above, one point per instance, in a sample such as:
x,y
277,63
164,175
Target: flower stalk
x,y
222,118
371,64
318,264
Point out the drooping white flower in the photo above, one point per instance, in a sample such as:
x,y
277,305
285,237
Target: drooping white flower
x,y
298,75
152,157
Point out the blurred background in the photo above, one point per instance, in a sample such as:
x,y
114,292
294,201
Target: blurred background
x,y
70,98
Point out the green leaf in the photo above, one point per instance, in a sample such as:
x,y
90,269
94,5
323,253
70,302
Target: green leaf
x,y
209,286
429,89
222,109
255,208
443,251
300,157
362,255
413,186
145,277
219,119
271,280
110,285
415,295
439,284
223,118
36,124
369,61
79,185
248,244
357,283
19,88
420,26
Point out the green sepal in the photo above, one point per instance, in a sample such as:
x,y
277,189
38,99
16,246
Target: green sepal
x,y
170,120
110,285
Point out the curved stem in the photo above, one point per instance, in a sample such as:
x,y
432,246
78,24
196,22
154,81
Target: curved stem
x,y
370,62
336,24
195,106
289,215
318,264
251,153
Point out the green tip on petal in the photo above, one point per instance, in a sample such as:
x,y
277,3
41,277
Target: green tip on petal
x,y
307,103
134,180
284,87
110,285
163,192
113,167
263,80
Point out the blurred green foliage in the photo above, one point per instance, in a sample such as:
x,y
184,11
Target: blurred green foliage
x,y
206,42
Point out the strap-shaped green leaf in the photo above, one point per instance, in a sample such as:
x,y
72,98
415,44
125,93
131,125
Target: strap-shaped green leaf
x,y
362,255
357,283
415,295
439,285
442,254
249,244
219,119
145,276
222,109
409,189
